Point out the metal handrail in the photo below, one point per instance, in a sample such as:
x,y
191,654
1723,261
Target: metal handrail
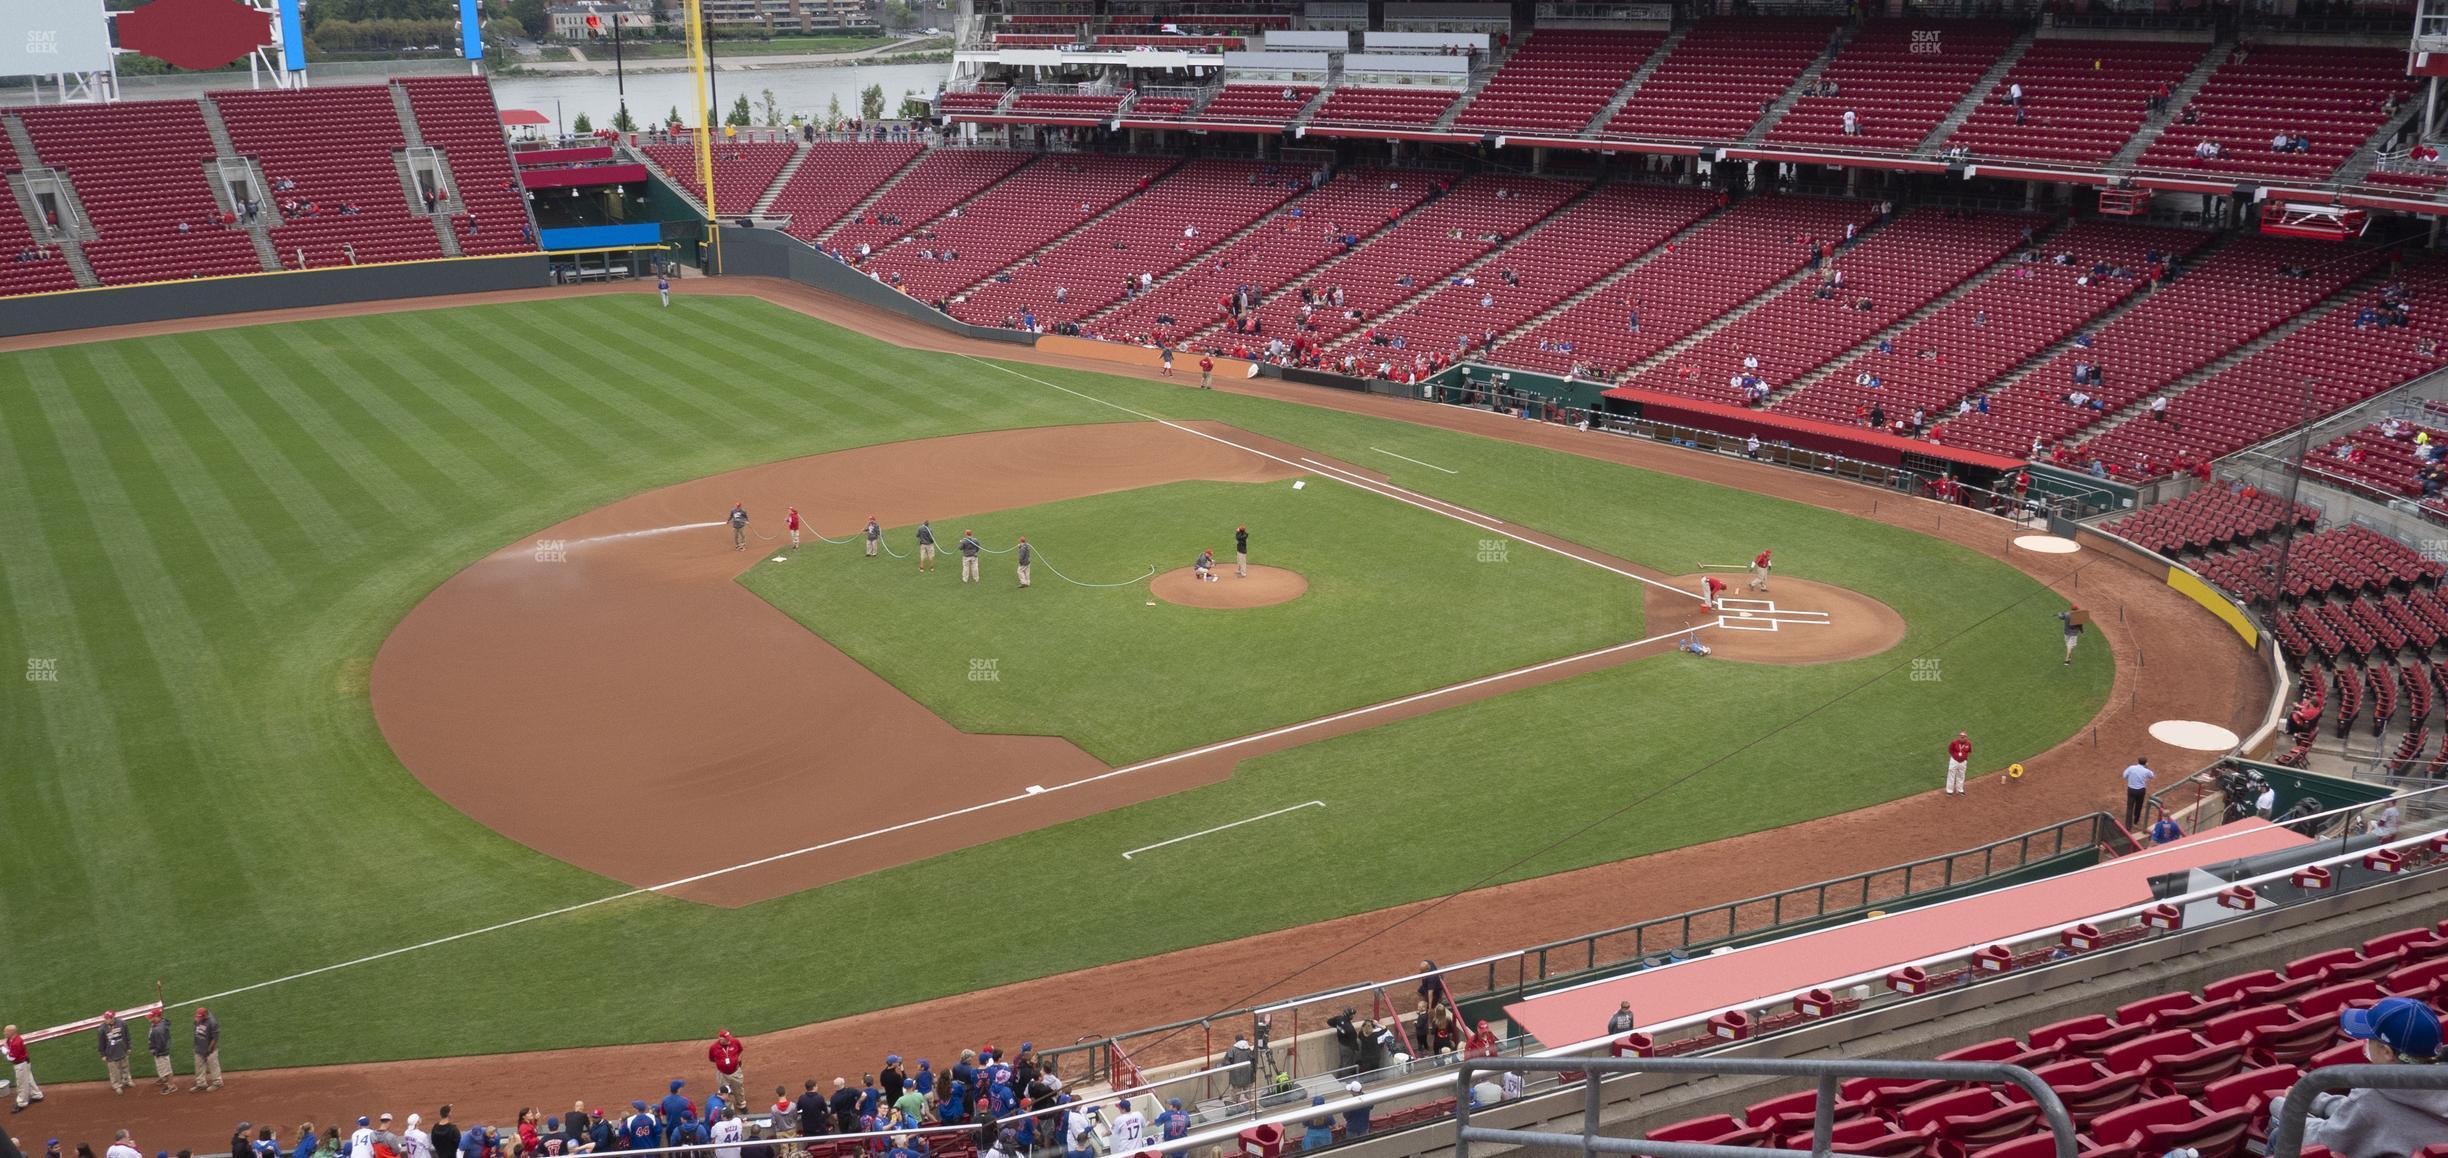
x,y
1554,959
2287,1121
1823,1118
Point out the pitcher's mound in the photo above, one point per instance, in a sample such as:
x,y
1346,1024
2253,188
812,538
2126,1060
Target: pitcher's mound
x,y
1265,586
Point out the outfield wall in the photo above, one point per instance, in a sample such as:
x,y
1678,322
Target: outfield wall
x,y
245,293
2239,618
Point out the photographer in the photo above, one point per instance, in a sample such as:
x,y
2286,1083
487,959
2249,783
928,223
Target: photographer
x,y
1347,1040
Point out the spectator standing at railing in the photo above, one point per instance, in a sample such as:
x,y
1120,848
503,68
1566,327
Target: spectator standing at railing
x,y
1173,1124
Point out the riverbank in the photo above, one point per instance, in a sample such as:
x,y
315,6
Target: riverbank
x,y
909,50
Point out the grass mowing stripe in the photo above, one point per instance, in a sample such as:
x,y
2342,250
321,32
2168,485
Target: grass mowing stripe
x,y
122,595
678,397
62,723
513,448
549,357
555,428
202,372
856,394
602,422
227,536
369,381
387,499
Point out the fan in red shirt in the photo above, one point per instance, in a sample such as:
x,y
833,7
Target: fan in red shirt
x,y
1959,758
1759,572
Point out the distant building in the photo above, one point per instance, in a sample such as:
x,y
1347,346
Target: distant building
x,y
569,21
787,16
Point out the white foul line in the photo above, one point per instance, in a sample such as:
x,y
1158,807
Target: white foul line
x,y
1032,791
1222,827
1387,490
1413,461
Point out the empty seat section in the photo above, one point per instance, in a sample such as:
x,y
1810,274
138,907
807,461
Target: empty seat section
x,y
1038,204
1899,78
1584,243
940,180
2333,97
743,170
138,168
1467,222
1294,239
1744,250
2233,295
1187,212
1721,78
2082,99
2017,314
1067,103
2344,355
1259,104
1886,275
456,115
1558,79
338,147
27,265
1388,107
834,178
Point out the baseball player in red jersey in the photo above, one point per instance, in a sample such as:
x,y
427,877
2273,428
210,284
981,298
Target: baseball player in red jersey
x,y
1959,757
1716,592
1759,572
792,521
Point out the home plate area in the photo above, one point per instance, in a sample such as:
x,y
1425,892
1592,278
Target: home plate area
x,y
1764,615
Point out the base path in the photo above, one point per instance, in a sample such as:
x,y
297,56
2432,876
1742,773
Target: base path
x,y
1264,587
2174,661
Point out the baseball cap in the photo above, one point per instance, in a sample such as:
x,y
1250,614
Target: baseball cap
x,y
1353,1088
2400,1023
362,1120
1175,1103
1123,1103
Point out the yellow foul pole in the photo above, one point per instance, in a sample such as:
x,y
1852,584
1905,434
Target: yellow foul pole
x,y
705,131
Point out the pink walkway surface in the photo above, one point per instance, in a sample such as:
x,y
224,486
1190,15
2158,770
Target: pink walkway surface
x,y
1729,980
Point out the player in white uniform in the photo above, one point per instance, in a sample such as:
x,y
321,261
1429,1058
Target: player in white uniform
x,y
1129,1130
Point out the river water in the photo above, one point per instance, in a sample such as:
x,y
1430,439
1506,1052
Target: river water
x,y
802,90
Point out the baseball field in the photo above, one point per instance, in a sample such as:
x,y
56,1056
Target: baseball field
x,y
342,638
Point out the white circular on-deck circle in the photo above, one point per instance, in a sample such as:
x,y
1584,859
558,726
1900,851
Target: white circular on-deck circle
x,y
2047,544
2194,734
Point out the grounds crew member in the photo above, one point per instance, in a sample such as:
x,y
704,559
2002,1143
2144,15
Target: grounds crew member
x,y
790,520
207,1050
1759,572
926,546
1959,760
1206,373
739,526
157,1043
2074,618
1204,568
969,556
112,1038
874,534
1241,551
1025,555
21,1066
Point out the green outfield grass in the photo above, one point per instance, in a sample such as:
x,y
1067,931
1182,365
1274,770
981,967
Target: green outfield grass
x,y
1399,601
206,537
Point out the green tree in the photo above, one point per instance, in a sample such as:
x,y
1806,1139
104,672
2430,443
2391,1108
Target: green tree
x,y
582,126
896,14
833,113
771,108
740,115
915,107
504,28
672,117
871,103
622,121
530,15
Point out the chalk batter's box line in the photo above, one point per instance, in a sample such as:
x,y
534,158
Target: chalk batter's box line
x,y
1731,623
